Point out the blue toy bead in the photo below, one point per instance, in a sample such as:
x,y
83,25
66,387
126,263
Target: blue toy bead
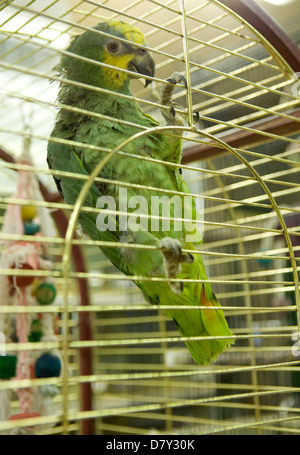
x,y
47,366
266,261
31,228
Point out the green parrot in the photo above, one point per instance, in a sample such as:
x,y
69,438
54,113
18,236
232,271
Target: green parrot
x,y
105,61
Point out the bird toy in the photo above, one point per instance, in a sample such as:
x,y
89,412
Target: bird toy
x,y
22,287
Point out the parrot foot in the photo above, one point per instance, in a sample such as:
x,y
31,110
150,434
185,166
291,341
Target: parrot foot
x,y
82,234
171,116
173,257
196,115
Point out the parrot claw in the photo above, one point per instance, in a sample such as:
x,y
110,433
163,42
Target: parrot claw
x,y
171,246
196,116
172,111
177,78
173,257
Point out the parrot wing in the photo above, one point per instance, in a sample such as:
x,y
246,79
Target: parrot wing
x,y
61,157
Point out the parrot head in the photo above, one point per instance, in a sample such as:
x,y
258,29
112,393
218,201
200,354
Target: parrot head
x,y
105,44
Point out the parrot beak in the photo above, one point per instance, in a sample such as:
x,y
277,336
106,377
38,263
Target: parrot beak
x,y
143,63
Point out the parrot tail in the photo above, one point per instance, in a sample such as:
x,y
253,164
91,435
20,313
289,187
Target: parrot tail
x,y
207,323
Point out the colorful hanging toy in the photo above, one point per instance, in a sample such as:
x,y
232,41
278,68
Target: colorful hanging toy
x,y
23,287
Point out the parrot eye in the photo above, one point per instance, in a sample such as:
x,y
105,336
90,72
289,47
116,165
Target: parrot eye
x,y
112,47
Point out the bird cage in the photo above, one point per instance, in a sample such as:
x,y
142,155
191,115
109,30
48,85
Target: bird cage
x,y
123,366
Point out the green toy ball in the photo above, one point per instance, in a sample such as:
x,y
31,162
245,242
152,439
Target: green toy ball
x,y
8,365
45,293
36,333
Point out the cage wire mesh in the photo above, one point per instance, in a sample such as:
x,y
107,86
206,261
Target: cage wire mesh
x,y
125,367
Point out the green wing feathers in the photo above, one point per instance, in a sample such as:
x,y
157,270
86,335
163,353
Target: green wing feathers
x,y
63,158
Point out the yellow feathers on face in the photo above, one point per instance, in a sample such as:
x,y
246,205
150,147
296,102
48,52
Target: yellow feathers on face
x,y
112,77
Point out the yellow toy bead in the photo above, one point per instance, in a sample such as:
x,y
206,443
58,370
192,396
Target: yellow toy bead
x,y
28,212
